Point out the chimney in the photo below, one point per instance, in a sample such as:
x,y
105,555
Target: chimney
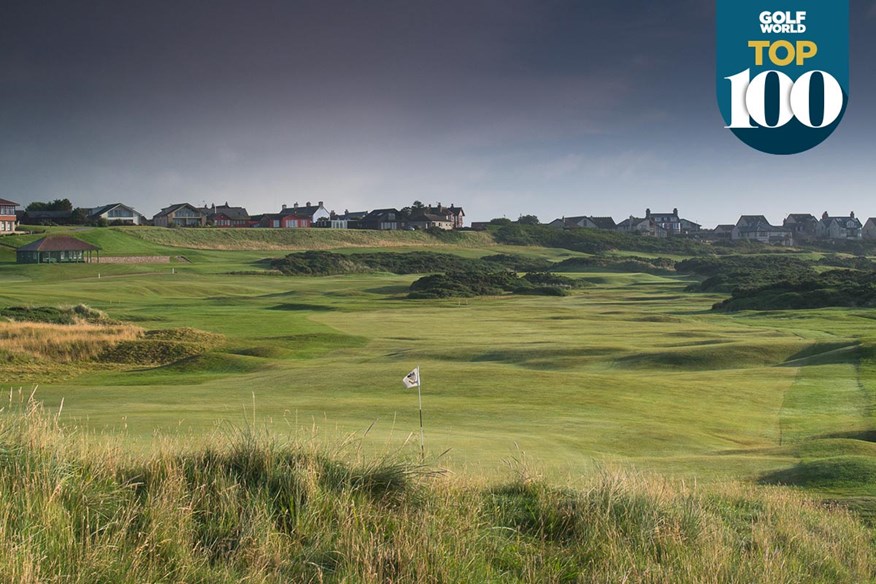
x,y
675,211
308,203
226,203
320,203
825,216
852,214
647,213
295,206
284,206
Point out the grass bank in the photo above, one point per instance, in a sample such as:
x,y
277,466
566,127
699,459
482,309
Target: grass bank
x,y
301,239
258,509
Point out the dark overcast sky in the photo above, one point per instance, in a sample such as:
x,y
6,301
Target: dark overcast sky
x,y
550,107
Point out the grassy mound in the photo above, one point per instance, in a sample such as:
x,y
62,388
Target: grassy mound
x,y
717,356
66,315
836,288
289,239
471,283
617,263
248,508
596,240
160,347
323,263
846,473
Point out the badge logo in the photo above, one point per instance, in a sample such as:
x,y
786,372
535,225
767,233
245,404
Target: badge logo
x,y
783,71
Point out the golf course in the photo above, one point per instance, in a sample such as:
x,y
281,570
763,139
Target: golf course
x,y
629,371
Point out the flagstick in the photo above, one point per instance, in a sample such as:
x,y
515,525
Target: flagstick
x,y
420,397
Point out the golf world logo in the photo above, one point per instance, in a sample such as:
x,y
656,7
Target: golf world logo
x,y
783,71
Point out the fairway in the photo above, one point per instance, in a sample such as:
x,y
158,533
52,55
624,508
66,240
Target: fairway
x,y
630,371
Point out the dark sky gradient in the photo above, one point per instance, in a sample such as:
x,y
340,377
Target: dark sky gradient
x,y
550,107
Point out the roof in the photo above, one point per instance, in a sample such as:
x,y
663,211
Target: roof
x,y
845,220
7,202
301,211
58,243
600,222
451,210
175,207
230,212
377,214
603,222
758,223
97,211
802,217
724,228
430,217
632,221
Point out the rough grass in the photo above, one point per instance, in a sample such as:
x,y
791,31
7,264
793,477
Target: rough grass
x,y
162,346
255,509
55,315
61,343
301,239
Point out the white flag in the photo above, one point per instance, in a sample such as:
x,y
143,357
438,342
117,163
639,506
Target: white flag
x,y
412,379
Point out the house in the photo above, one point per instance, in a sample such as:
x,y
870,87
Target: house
x,y
116,213
431,221
349,220
381,219
47,218
584,222
757,228
8,218
720,233
869,230
295,217
672,223
180,215
56,249
839,227
454,214
642,226
228,216
803,225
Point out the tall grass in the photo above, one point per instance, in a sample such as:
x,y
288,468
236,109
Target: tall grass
x,y
253,508
61,342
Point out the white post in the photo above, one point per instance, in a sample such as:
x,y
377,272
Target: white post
x,y
420,397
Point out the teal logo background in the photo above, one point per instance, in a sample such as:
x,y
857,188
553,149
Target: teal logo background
x,y
827,25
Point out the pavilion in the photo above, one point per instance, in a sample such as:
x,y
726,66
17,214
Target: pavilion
x,y
60,249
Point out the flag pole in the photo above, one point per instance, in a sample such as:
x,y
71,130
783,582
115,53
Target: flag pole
x,y
420,397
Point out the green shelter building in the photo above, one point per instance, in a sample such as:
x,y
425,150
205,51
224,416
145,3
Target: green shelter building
x,y
57,249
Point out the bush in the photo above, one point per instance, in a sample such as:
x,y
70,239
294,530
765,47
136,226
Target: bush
x,y
836,288
480,283
324,263
596,240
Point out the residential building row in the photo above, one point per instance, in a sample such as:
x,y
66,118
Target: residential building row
x,y
796,228
288,217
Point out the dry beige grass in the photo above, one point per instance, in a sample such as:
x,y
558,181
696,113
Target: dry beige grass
x,y
62,343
